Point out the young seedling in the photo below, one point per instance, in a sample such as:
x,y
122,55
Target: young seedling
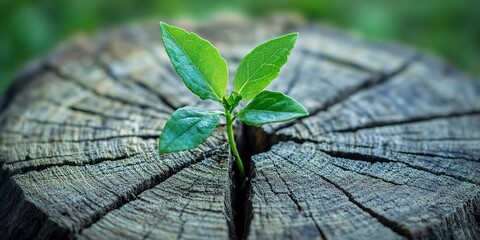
x,y
205,73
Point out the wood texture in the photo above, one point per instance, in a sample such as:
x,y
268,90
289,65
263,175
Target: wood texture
x,y
391,149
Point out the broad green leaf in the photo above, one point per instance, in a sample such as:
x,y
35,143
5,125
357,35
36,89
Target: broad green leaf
x,y
269,107
262,65
187,128
197,61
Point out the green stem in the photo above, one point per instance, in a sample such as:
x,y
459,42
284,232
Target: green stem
x,y
233,146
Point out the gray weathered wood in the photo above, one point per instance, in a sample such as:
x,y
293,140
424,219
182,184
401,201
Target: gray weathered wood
x,y
391,149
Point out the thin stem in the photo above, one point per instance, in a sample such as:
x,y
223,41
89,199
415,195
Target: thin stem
x,y
232,143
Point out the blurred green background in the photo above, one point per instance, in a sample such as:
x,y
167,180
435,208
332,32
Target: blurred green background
x,y
448,28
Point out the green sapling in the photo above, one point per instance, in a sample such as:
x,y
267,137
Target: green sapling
x,y
205,73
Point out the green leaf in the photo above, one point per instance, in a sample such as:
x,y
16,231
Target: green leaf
x,y
269,107
232,101
187,128
197,61
262,65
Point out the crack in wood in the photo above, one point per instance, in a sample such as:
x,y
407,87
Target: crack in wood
x,y
241,204
106,69
157,220
446,139
373,176
146,185
394,226
90,162
322,234
182,211
337,60
169,70
296,202
438,156
62,124
290,192
276,138
163,99
99,114
377,79
409,121
294,78
80,84
284,138
375,159
240,192
13,199
139,136
28,158
382,179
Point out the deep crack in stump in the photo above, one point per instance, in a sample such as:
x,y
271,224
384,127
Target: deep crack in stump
x,y
390,151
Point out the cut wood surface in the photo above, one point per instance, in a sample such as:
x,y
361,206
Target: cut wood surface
x,y
391,149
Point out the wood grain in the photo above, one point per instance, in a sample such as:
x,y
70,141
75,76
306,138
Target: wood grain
x,y
391,149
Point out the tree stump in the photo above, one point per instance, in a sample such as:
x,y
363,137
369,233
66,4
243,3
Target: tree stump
x,y
391,149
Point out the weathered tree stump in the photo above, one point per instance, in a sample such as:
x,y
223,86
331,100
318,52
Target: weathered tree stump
x,y
391,149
